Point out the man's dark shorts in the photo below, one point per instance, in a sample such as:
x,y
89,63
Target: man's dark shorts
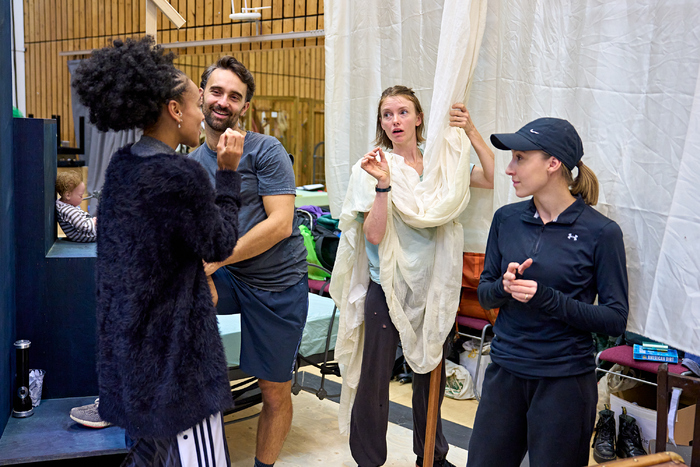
x,y
272,324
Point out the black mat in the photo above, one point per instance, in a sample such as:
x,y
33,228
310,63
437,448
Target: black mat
x,y
457,435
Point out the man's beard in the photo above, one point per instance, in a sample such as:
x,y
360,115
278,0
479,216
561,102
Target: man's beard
x,y
217,124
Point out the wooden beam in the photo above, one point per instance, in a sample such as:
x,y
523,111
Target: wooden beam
x,y
152,7
151,19
169,11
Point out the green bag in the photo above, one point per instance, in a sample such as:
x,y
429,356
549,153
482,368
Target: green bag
x,y
310,244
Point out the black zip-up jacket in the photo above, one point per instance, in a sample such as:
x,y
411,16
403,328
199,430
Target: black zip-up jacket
x,y
576,257
161,365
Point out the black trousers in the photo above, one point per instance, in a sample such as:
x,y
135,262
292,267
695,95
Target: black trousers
x,y
551,418
370,412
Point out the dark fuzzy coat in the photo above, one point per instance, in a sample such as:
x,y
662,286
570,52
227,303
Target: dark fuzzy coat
x,y
161,363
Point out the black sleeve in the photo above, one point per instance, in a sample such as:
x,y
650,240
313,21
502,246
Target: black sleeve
x,y
609,316
490,290
211,220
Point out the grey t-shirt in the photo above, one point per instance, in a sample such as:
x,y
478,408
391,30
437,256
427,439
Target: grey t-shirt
x,y
266,169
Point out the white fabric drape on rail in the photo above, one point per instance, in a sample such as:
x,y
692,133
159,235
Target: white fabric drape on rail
x,y
624,73
420,255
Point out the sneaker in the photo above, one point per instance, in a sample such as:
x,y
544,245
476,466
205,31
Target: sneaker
x,y
604,439
436,463
629,440
88,415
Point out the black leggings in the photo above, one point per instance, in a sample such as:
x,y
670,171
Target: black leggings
x,y
551,418
370,412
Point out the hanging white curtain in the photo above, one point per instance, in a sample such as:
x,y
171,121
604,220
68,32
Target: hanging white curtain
x,y
420,270
624,73
370,46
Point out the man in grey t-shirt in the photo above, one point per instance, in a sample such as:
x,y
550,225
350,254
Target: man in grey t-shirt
x,y
265,278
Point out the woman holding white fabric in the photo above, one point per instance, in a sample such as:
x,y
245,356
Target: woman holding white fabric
x,y
399,128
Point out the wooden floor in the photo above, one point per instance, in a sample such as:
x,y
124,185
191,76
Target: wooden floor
x,y
314,439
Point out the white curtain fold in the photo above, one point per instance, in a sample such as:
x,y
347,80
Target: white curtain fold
x,y
624,73
420,255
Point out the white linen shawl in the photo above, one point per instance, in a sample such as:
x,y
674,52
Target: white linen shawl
x,y
420,259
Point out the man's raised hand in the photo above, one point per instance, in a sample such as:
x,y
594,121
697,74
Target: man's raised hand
x,y
230,149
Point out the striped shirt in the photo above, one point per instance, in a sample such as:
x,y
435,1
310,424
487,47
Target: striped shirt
x,y
78,225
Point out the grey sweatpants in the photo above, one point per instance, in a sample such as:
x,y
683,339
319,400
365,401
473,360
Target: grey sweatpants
x,y
370,412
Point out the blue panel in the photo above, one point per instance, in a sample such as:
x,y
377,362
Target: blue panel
x,y
63,248
7,221
51,434
56,302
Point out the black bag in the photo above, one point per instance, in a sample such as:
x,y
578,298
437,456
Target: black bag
x,y
326,244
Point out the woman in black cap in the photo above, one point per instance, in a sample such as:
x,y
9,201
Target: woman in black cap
x,y
546,261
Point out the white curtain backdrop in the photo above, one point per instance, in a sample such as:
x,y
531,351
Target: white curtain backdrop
x,y
625,73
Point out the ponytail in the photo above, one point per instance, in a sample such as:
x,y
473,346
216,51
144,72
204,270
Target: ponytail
x,y
585,184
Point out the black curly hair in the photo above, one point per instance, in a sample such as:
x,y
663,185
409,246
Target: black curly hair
x,y
126,85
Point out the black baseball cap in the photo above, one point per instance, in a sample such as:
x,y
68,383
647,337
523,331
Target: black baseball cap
x,y
555,136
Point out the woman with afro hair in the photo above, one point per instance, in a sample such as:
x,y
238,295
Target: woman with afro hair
x,y
161,365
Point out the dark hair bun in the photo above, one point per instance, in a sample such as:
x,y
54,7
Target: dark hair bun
x,y
126,85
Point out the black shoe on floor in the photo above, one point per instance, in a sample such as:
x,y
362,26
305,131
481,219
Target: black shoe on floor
x,y
436,463
629,441
604,439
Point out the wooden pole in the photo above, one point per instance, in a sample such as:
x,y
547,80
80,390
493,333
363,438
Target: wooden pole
x,y
431,422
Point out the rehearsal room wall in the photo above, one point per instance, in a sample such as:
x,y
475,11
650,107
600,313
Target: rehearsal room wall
x,y
283,69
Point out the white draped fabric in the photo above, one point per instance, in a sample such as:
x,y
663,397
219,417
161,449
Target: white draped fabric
x,y
420,255
626,74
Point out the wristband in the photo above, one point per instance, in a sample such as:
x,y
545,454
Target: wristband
x,y
382,190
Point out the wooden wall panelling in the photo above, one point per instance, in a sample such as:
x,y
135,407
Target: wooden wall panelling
x,y
319,137
128,18
121,21
199,24
140,26
53,26
217,20
288,21
51,65
159,26
294,130
298,55
208,19
63,75
30,61
164,28
284,70
109,19
299,21
38,89
269,73
311,21
188,12
305,140
280,58
308,71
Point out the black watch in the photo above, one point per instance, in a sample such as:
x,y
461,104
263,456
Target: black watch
x,y
382,190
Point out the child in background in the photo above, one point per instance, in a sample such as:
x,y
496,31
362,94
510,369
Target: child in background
x,y
78,225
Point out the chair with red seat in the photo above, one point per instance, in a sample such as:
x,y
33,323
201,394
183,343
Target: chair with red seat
x,y
478,325
320,287
470,313
624,355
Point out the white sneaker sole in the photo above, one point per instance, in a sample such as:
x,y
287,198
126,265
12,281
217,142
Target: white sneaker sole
x,y
101,424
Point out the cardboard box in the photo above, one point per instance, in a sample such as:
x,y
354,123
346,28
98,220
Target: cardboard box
x,y
640,403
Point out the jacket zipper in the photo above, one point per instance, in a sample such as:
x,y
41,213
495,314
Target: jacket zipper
x,y
537,244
